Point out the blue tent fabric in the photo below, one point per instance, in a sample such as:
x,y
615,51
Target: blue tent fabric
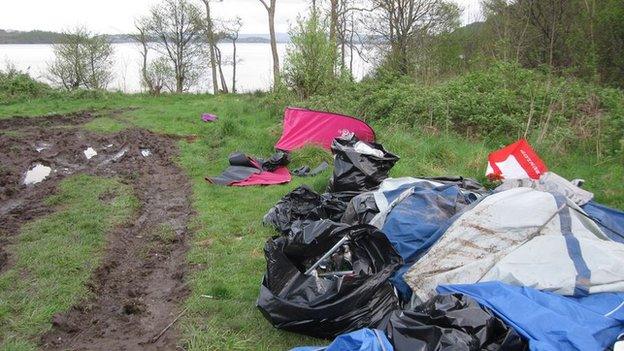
x,y
550,321
359,340
610,220
418,221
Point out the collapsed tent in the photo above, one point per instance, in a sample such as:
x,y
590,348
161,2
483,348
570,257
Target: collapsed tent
x,y
245,170
524,237
303,127
329,280
517,160
610,220
358,165
549,321
450,322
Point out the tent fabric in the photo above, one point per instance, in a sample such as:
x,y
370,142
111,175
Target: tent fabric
x,y
552,183
514,161
302,127
359,340
280,176
523,237
550,321
610,220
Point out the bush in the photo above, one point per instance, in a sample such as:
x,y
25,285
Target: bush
x,y
16,85
499,104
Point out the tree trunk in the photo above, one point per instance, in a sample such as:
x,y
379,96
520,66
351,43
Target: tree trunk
x,y
221,75
234,66
276,64
211,43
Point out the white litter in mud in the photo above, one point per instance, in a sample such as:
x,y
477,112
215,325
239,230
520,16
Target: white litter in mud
x,y
109,146
145,152
119,155
90,152
42,146
37,174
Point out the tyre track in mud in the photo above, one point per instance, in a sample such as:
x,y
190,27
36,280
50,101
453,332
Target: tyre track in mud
x,y
139,285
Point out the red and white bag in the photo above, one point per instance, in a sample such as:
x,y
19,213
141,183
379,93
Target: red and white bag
x,y
515,161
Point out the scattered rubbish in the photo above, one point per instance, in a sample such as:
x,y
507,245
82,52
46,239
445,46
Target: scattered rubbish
x,y
333,304
118,156
357,171
359,340
37,174
305,171
208,117
89,153
548,321
450,322
303,127
146,152
109,146
514,161
42,146
245,171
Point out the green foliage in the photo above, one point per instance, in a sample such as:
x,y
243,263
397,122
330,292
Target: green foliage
x,y
499,103
16,85
310,59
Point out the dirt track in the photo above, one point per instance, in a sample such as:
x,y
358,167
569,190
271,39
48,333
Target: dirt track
x,y
140,284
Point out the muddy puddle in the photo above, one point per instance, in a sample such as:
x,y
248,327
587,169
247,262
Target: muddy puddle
x,y
138,289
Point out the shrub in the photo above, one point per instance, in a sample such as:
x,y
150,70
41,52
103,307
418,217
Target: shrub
x,y
16,85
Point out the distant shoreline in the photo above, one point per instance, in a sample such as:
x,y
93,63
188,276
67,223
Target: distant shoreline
x,y
12,37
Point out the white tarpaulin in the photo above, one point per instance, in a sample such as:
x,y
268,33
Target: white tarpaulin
x,y
525,237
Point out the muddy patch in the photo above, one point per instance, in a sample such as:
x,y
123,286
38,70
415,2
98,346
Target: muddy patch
x,y
139,285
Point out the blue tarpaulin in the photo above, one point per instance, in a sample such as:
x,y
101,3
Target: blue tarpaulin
x,y
359,340
549,321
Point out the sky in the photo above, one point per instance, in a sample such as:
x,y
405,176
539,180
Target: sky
x,y
117,16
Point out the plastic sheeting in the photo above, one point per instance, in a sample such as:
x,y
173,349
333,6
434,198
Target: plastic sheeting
x,y
549,321
359,168
303,203
246,171
523,237
302,127
330,305
359,340
451,322
552,183
514,161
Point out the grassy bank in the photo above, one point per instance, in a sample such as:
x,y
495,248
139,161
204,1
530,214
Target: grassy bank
x,y
226,256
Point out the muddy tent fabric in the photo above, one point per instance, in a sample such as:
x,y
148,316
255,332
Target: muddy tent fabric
x,y
551,322
302,127
451,322
327,306
359,340
523,237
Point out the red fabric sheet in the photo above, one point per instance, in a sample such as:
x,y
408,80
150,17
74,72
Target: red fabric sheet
x,y
303,127
279,176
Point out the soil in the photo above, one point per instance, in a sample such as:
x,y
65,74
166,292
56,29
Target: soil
x,y
140,284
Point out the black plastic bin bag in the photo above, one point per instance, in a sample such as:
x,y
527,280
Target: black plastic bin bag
x,y
451,322
321,304
359,166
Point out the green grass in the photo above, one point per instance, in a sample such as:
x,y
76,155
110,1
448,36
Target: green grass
x,y
226,255
56,255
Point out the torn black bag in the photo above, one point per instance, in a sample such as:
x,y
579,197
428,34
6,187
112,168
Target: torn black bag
x,y
330,305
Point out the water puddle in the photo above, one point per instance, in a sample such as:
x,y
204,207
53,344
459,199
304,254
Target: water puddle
x,y
37,174
90,152
145,152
